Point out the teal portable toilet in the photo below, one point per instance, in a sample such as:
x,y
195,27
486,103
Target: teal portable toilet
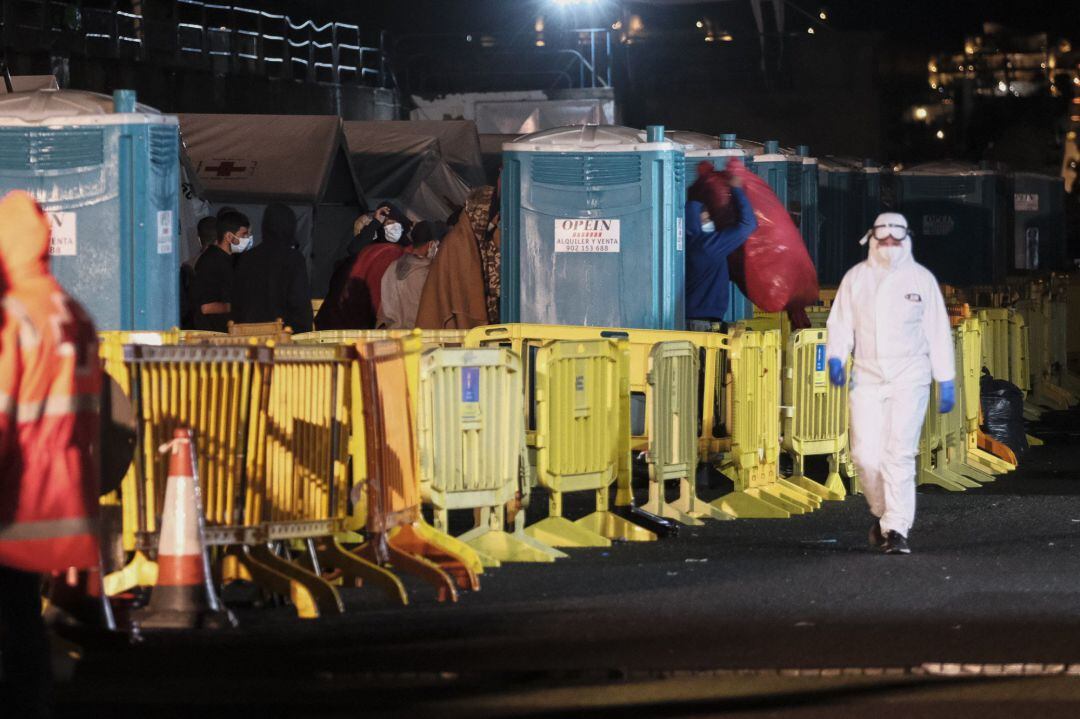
x,y
957,214
1037,223
592,228
802,200
771,165
107,174
849,198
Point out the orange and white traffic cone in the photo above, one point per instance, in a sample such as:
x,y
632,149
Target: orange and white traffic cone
x,y
183,597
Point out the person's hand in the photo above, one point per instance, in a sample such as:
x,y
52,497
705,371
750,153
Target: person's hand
x,y
736,180
947,397
381,214
837,375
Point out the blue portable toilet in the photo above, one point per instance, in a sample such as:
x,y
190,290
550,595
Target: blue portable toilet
x,y
1036,223
592,228
849,198
957,214
771,165
698,148
106,173
802,200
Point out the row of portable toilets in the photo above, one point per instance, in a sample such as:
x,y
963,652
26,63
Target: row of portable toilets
x,y
316,452
592,216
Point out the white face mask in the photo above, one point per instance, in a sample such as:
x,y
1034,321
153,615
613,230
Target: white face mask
x,y
709,226
393,232
893,254
245,244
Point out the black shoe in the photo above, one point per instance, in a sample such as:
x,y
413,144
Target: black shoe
x,y
877,539
895,543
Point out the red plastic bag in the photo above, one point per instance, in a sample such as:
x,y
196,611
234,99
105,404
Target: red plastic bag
x,y
773,269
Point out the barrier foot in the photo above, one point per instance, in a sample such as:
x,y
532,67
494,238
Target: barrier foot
x,y
506,547
1032,413
561,532
1051,397
357,569
310,594
818,489
612,526
407,563
419,539
987,462
452,545
926,477
139,572
742,505
793,493
669,511
1034,441
966,470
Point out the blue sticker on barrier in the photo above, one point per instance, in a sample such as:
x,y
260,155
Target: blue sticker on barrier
x,y
819,360
470,384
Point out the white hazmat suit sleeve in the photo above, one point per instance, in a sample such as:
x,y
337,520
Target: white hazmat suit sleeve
x,y
939,335
841,325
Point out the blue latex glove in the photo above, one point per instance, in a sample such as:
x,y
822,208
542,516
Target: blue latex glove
x,y
836,372
947,397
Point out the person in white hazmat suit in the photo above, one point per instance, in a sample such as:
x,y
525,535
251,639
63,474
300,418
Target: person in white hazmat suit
x,y
890,311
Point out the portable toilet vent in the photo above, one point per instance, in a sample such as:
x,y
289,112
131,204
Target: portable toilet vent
x,y
592,228
106,173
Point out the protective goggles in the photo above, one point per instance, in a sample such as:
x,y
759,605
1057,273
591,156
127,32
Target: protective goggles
x,y
897,232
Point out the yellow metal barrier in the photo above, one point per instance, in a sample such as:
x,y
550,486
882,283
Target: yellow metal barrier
x,y
430,338
815,413
755,417
1059,336
274,329
472,448
582,438
672,429
995,341
713,435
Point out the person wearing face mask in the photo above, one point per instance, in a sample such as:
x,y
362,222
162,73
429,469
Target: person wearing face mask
x,y
356,287
404,280
271,281
890,312
707,250
213,284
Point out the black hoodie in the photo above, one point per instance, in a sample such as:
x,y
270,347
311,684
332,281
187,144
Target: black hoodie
x,y
271,279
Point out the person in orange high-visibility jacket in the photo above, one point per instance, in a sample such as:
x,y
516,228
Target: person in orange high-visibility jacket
x,y
50,383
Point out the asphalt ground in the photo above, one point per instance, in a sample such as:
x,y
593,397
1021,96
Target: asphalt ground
x,y
794,617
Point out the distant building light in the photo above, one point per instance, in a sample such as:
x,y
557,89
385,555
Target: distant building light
x,y
726,37
969,48
809,31
933,85
823,15
709,38
932,66
1042,65
539,43
468,38
617,25
700,24
1076,80
920,113
941,134
539,25
1002,87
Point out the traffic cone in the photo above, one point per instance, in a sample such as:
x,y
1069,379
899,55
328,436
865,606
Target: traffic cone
x,y
183,597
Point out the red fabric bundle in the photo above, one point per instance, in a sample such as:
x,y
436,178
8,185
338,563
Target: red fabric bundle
x,y
773,268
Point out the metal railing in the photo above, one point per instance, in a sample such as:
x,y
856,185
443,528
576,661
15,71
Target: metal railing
x,y
224,38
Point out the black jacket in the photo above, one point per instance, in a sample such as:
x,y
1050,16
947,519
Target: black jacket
x,y
271,280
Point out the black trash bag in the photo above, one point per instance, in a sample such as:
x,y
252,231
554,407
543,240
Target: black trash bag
x,y
1003,412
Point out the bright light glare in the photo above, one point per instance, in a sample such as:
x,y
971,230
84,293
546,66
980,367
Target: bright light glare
x,y
1002,87
823,15
810,31
920,113
700,24
574,2
941,134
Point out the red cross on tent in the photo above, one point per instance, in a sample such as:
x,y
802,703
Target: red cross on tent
x,y
227,168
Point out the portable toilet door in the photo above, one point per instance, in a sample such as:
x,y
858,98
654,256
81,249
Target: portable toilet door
x,y
1037,223
107,174
956,213
592,228
849,198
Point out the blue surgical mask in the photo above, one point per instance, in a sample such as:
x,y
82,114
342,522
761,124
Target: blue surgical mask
x,y
709,226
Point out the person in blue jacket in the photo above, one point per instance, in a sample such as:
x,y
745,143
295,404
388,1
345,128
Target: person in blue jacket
x,y
707,250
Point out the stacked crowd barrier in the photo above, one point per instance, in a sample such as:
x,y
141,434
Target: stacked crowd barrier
x,y
713,439
276,429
